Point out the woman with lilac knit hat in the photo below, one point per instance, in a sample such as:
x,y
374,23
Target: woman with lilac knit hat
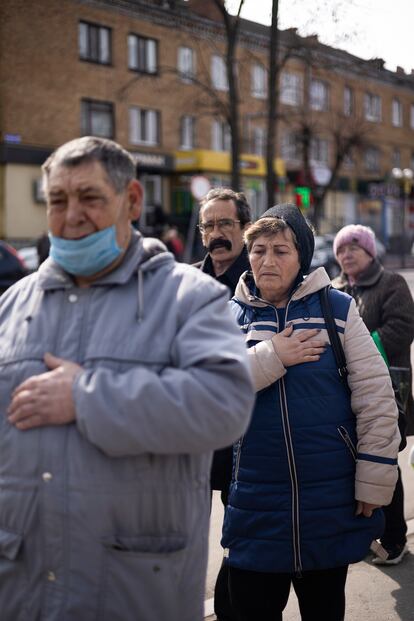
x,y
385,304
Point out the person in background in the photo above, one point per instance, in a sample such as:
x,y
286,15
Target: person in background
x,y
173,241
386,305
224,217
121,372
42,247
318,460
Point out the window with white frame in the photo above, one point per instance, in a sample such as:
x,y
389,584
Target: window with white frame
x,y
290,147
144,126
348,101
259,141
220,136
319,95
187,127
291,88
372,159
186,64
319,150
396,114
97,118
372,107
94,43
142,54
259,81
348,161
412,116
396,158
219,73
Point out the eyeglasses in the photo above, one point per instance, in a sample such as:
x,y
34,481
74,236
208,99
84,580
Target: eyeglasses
x,y
225,225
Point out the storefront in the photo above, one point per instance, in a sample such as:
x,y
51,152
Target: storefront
x,y
154,172
216,166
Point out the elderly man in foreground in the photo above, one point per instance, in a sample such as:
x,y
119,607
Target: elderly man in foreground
x,y
121,371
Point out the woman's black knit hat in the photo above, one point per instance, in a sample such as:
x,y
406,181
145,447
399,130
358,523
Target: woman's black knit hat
x,y
293,217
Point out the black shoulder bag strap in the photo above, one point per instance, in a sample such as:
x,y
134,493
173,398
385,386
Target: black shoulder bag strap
x,y
336,344
339,354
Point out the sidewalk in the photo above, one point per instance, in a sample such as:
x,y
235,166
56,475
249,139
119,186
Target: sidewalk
x,y
373,592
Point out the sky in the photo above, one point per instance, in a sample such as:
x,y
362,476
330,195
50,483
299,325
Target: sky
x,y
366,28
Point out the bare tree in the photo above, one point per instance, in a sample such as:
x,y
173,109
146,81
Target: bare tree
x,y
232,27
272,109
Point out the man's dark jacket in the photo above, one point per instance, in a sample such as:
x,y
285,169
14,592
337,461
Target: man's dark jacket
x,y
223,459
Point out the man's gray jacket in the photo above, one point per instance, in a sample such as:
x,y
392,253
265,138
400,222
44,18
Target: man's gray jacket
x,y
106,519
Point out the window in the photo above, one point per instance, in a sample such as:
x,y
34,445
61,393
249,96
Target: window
x,y
348,161
186,64
372,159
396,114
372,107
319,95
94,43
259,141
319,150
396,158
97,118
187,126
348,101
142,54
290,147
219,74
259,81
144,126
412,116
291,89
220,138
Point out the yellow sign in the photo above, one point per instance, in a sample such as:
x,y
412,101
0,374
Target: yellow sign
x,y
220,162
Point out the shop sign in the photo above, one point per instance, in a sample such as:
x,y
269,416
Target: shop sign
x,y
152,160
379,190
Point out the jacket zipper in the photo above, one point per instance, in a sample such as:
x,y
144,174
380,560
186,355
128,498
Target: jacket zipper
x,y
347,439
293,472
293,479
236,469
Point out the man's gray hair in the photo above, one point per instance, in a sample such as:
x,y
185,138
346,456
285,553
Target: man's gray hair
x,y
227,194
117,162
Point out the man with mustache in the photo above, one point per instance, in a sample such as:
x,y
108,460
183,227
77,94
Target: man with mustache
x,y
223,219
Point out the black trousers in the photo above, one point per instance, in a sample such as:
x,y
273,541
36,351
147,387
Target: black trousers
x,y
255,595
395,524
222,604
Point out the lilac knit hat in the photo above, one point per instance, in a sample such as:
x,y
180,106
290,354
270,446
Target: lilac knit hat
x,y
356,234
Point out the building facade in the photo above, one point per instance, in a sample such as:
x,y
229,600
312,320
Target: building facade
x,y
152,76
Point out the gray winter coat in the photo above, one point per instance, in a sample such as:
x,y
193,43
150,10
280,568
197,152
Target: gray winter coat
x,y
106,519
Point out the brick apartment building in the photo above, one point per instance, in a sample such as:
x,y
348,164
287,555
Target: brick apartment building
x,y
151,75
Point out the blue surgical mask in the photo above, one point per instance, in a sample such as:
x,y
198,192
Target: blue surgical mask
x,y
88,255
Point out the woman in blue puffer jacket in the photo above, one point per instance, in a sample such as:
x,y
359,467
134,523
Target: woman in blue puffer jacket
x,y
318,461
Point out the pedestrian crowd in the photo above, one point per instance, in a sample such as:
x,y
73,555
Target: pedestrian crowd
x,y
132,388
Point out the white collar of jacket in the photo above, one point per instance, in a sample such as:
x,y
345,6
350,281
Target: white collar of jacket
x,y
310,284
142,253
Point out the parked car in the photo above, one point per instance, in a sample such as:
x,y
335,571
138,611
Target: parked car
x,y
12,266
324,255
30,257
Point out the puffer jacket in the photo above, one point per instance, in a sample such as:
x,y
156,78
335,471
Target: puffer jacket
x,y
310,451
107,518
385,303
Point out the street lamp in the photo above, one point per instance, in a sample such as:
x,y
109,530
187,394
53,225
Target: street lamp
x,y
405,177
